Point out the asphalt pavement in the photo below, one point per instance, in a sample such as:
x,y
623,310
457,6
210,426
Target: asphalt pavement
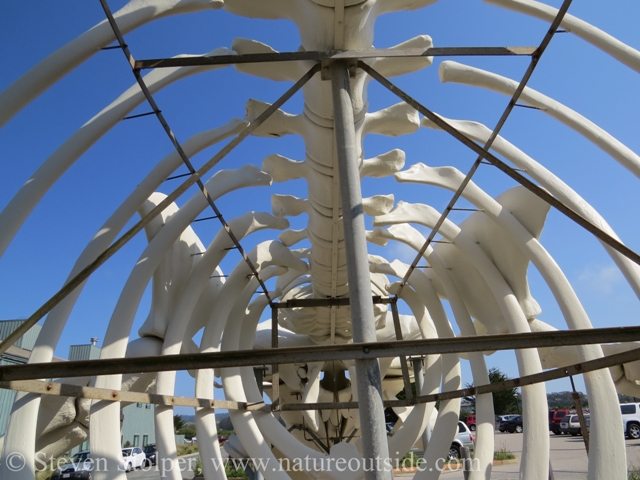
x,y
568,458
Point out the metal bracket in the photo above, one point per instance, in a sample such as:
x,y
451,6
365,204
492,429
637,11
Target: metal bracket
x,y
325,67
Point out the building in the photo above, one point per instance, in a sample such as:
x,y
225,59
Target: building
x,y
137,420
17,354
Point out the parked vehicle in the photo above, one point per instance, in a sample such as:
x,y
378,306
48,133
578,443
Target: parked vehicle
x,y
471,422
555,417
79,467
503,419
464,438
513,424
151,454
132,458
631,419
571,424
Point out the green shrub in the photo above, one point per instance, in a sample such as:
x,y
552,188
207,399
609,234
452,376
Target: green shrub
x,y
197,470
504,454
633,474
187,449
233,472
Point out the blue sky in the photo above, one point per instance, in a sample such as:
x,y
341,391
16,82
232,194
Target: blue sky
x,y
572,71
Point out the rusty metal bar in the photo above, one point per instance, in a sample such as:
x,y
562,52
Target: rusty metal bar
x,y
52,388
555,374
583,421
482,152
241,358
129,234
326,302
77,391
403,359
192,61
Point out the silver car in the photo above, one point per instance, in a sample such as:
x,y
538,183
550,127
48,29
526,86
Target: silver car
x,y
464,438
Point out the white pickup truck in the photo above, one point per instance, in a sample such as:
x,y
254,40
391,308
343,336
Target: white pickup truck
x,y
631,419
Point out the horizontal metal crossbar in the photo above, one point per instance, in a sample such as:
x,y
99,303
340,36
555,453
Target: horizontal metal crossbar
x,y
192,61
241,358
555,374
327,302
51,388
76,391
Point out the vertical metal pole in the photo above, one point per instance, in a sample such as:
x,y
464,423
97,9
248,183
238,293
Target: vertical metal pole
x,y
275,372
403,359
259,373
465,459
583,421
374,437
419,379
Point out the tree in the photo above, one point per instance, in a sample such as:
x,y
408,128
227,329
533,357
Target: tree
x,y
505,401
178,423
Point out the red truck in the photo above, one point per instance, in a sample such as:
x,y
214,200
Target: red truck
x,y
555,417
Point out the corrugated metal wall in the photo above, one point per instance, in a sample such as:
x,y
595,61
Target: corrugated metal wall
x,y
138,422
6,403
27,341
7,396
84,352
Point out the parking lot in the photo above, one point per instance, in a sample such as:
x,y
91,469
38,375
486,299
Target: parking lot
x,y
568,457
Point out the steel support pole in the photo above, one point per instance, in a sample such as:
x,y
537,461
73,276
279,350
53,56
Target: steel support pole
x,y
368,379
419,379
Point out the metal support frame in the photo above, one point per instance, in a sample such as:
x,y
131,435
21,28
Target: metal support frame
x,y
52,388
176,144
319,353
193,61
275,368
583,421
369,380
365,351
482,152
419,379
129,234
403,359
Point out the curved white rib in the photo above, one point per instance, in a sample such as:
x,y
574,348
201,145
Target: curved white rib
x,y
454,72
20,435
134,14
555,185
25,200
105,437
605,42
535,456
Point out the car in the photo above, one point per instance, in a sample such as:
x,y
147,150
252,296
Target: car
x,y
502,421
513,424
555,417
151,454
132,458
464,438
631,419
571,424
78,468
471,422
